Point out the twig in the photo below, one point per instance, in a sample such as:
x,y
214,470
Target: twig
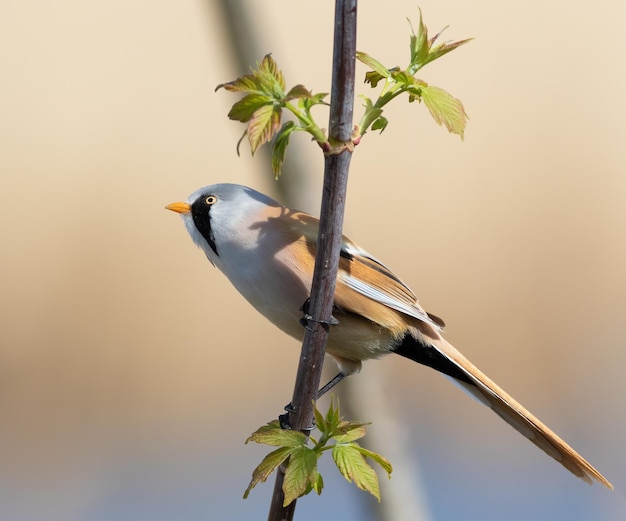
x,y
336,167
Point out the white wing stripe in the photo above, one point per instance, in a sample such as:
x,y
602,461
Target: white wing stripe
x,y
384,298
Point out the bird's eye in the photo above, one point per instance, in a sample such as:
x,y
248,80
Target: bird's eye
x,y
210,200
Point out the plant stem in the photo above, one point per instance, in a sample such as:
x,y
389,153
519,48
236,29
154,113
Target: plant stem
x,y
369,116
336,166
307,122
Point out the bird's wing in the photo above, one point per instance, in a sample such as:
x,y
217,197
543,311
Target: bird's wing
x,y
360,275
364,274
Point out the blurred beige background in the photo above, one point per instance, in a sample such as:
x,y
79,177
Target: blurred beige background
x,y
131,372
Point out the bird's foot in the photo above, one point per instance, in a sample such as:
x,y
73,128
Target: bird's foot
x,y
306,318
283,419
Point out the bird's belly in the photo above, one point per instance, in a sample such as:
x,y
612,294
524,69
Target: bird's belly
x,y
278,292
357,338
353,338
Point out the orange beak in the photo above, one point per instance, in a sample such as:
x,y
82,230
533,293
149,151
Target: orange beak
x,y
179,207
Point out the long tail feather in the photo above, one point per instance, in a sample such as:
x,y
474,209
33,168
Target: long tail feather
x,y
447,359
518,417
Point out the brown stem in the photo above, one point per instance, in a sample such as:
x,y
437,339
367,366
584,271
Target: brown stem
x,y
329,240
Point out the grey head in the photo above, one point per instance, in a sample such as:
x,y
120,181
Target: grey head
x,y
220,209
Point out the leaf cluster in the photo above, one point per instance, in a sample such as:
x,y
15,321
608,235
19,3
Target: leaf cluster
x,y
443,107
300,460
262,108
266,98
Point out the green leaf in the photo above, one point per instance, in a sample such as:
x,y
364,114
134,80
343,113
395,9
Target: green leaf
x,y
318,484
380,124
403,78
439,50
352,434
320,421
419,45
346,426
370,115
279,148
379,71
314,99
267,466
353,467
263,104
445,109
383,462
267,79
274,424
271,67
271,78
373,63
424,50
372,77
245,83
301,474
277,437
332,416
244,109
263,125
298,91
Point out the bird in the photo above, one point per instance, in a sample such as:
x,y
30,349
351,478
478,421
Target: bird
x,y
267,251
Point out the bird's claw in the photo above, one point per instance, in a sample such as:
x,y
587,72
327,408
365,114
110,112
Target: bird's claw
x,y
306,318
283,419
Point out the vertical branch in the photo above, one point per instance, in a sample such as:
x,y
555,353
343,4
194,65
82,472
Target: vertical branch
x,y
336,166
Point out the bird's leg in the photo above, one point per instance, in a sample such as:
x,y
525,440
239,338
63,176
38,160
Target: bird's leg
x,y
329,385
284,418
306,318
